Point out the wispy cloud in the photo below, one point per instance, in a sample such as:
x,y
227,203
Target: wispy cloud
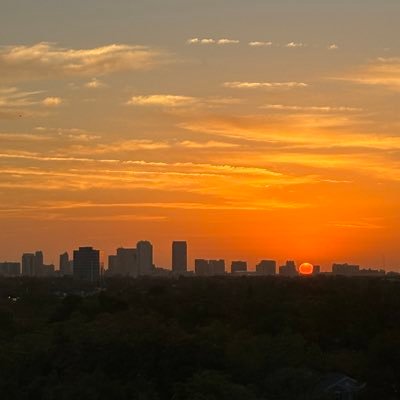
x,y
23,137
382,71
260,44
295,45
211,144
222,41
67,134
13,97
180,101
94,83
265,85
52,101
165,100
333,46
323,109
49,61
301,130
228,41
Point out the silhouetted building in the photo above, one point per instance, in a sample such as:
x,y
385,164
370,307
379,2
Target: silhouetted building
x,y
126,262
65,265
238,266
179,257
289,269
38,264
316,270
345,269
48,271
112,265
266,267
145,257
10,269
372,272
209,267
87,264
202,267
28,264
217,267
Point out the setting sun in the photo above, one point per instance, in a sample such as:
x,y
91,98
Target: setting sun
x,y
306,269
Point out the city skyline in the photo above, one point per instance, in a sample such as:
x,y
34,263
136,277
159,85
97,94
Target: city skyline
x,y
139,261
251,129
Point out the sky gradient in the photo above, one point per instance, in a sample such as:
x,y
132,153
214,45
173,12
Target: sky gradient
x,y
253,130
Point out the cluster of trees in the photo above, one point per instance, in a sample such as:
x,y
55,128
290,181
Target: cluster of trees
x,y
197,339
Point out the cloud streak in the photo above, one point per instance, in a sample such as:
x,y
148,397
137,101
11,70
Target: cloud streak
x,y
260,44
49,61
164,100
211,41
264,85
52,101
383,71
295,45
322,109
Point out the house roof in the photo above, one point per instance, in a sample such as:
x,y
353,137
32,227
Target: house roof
x,y
340,383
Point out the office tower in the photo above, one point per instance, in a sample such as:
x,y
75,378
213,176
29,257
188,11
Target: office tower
x,y
38,264
28,264
112,265
179,257
209,267
145,257
126,262
266,267
65,265
217,267
289,269
10,269
201,267
238,266
87,264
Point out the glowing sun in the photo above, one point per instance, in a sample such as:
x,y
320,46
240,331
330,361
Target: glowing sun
x,y
306,269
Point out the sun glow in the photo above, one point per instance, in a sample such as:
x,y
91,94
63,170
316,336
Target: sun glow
x,y
306,269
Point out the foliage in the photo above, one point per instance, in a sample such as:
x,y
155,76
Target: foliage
x,y
197,339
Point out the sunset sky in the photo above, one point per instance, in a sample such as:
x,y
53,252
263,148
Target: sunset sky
x,y
252,129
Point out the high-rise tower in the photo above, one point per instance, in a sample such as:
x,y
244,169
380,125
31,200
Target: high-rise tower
x,y
179,257
87,264
145,257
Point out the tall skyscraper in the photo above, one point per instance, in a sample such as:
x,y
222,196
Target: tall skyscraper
x,y
179,257
65,265
28,264
39,262
145,257
112,265
87,264
127,262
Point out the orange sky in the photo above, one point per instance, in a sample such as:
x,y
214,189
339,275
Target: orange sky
x,y
254,131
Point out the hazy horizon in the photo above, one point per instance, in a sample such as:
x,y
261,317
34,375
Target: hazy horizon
x,y
253,130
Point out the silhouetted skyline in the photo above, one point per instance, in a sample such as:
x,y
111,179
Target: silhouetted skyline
x,y
86,264
252,129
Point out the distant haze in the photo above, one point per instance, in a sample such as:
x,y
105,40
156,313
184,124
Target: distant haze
x,y
252,129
